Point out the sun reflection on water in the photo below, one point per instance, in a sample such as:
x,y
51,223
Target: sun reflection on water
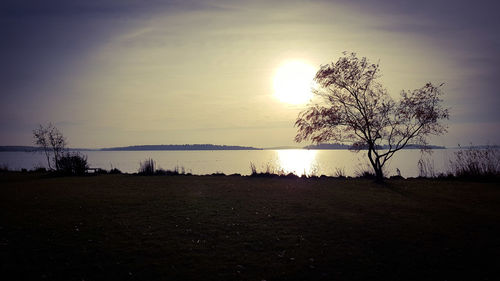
x,y
298,161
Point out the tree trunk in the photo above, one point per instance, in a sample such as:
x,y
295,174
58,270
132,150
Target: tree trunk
x,y
377,168
48,158
379,175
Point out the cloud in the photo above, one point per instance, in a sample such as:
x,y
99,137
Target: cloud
x,y
126,64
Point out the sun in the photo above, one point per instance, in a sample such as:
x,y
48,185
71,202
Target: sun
x,y
293,81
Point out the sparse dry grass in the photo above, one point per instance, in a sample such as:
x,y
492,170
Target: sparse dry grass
x,y
124,227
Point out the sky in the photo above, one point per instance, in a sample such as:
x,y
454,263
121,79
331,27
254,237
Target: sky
x,y
131,72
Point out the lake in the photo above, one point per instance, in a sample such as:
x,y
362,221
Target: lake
x,y
298,161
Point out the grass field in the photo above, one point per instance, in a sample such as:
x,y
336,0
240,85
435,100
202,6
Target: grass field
x,y
126,227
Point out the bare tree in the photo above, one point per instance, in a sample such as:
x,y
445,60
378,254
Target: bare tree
x,y
52,142
356,109
41,140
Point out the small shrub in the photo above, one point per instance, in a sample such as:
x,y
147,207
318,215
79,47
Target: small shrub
x,y
172,173
426,168
339,172
476,162
448,175
365,171
365,175
160,172
147,167
101,171
291,176
177,170
253,168
115,171
39,170
269,171
73,164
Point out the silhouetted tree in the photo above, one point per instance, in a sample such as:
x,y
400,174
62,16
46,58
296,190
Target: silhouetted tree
x,y
356,109
51,141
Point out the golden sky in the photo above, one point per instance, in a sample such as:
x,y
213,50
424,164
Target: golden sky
x,y
116,73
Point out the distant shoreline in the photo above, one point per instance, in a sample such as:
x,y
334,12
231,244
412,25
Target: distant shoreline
x,y
212,147
182,147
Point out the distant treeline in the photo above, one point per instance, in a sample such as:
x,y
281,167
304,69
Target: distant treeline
x,y
215,147
19,148
180,147
328,146
478,147
346,146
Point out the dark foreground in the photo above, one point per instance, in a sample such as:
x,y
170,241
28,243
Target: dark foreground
x,y
123,227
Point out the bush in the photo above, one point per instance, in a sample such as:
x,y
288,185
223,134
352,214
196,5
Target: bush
x,y
339,172
115,171
147,167
73,164
270,171
476,162
365,174
100,171
365,171
253,169
39,170
426,168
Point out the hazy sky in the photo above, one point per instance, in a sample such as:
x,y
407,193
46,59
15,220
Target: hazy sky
x,y
118,72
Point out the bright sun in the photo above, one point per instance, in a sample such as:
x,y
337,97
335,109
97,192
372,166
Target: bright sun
x,y
293,81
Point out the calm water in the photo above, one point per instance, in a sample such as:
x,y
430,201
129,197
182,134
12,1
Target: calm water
x,y
316,162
